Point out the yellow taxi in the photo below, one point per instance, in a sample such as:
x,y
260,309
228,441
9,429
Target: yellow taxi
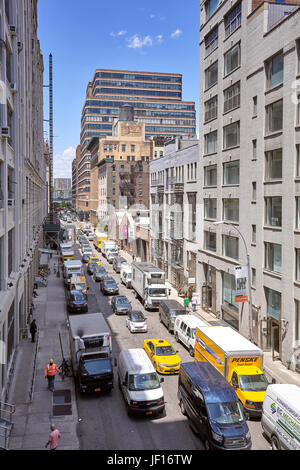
x,y
162,355
78,283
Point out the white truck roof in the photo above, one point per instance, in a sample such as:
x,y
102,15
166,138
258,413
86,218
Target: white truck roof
x,y
126,267
147,267
191,320
137,361
228,339
288,394
69,263
88,324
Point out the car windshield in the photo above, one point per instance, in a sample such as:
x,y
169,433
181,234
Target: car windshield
x,y
110,283
122,300
157,292
143,382
165,351
174,313
253,383
80,286
77,296
96,366
226,413
112,254
137,316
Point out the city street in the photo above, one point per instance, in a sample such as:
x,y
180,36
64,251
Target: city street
x,y
105,423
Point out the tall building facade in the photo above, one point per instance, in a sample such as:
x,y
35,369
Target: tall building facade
x,y
157,102
249,168
62,184
23,173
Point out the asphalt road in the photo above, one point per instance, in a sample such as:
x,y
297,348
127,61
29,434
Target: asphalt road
x,y
104,423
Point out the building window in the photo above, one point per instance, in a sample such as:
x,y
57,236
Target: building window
x,y
254,107
253,277
273,257
211,109
231,135
298,56
123,148
231,210
210,7
210,208
233,20
253,234
210,142
210,175
192,200
210,241
10,251
273,299
274,116
231,173
297,322
298,111
298,160
228,294
232,59
274,70
132,147
273,208
254,149
230,247
273,170
298,212
232,97
253,191
211,75
211,41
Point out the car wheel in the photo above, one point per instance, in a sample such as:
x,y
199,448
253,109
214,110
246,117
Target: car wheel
x,y
160,319
275,443
169,329
182,408
176,338
191,351
207,445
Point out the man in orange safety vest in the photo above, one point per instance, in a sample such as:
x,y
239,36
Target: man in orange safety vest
x,y
50,371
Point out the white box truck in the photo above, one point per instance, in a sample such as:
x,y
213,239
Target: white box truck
x,y
71,267
148,282
281,416
238,360
91,351
108,245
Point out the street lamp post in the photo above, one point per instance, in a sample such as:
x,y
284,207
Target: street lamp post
x,y
222,222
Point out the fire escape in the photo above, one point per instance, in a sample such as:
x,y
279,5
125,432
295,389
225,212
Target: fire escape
x,y
127,185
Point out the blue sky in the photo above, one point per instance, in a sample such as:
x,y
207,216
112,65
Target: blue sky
x,y
154,36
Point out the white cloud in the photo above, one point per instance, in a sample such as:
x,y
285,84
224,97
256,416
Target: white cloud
x,y
62,163
136,42
157,16
159,38
122,32
176,34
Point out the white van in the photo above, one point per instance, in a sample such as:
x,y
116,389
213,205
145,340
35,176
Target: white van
x,y
281,416
71,267
126,274
185,330
139,383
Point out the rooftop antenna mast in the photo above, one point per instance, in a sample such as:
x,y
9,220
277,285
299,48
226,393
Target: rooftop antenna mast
x,y
51,135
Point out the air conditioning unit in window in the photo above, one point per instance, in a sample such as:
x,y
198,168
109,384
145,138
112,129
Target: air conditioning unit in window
x,y
12,29
20,46
13,87
5,132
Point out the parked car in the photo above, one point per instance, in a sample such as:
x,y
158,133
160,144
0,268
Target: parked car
x,y
136,322
87,250
117,263
109,286
90,236
99,273
91,265
111,255
76,301
120,304
85,257
162,355
185,330
168,311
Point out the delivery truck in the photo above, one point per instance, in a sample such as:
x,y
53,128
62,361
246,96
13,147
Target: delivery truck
x,y
238,360
148,282
71,267
91,351
99,237
108,245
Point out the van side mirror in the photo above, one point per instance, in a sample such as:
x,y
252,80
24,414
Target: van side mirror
x,y
273,381
162,380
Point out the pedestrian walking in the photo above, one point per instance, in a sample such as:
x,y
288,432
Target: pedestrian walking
x,y
186,302
133,257
33,330
53,437
54,268
50,371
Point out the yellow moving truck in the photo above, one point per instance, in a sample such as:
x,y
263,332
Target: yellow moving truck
x,y
98,239
238,360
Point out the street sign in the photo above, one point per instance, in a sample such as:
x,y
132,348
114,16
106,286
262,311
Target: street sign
x,y
241,284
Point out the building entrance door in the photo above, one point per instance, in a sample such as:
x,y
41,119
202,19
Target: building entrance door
x,y
275,340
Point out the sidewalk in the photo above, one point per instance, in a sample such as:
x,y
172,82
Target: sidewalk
x,y
273,369
32,420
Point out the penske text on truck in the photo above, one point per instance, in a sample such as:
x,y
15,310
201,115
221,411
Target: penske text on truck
x,y
238,360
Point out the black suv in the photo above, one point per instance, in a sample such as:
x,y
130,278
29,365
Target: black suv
x,y
109,286
76,301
